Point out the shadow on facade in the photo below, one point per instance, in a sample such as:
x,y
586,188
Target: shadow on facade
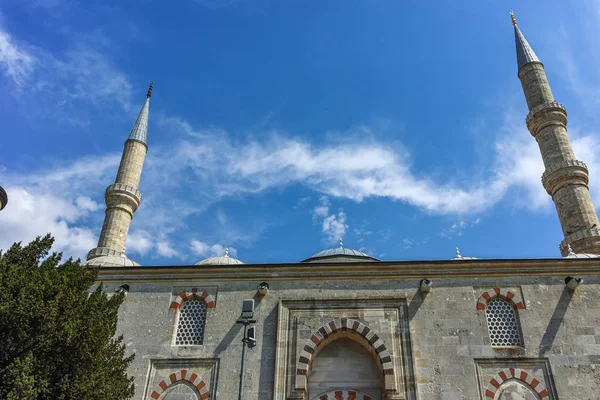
x,y
267,355
415,304
555,321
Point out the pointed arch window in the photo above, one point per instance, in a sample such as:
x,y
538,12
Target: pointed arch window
x,y
503,323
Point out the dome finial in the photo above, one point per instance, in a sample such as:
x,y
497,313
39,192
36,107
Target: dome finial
x,y
512,18
226,251
149,94
458,253
570,250
341,243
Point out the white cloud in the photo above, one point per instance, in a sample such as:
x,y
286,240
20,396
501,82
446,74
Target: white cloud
x,y
139,241
334,226
458,228
56,200
204,249
165,249
30,213
80,73
322,209
17,62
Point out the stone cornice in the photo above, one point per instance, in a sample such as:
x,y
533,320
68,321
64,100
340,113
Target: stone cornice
x,y
478,268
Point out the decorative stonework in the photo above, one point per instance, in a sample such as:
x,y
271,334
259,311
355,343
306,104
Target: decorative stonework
x,y
201,294
177,377
509,295
544,114
498,377
343,395
517,374
301,324
344,324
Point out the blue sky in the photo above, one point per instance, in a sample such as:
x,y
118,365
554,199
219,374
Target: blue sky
x,y
277,127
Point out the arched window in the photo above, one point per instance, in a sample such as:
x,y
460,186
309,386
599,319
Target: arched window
x,y
190,327
502,323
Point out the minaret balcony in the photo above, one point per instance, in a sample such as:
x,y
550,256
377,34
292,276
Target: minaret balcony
x,y
121,194
546,114
565,172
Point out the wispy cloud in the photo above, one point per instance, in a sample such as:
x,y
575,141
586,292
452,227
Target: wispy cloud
x,y
17,62
333,224
458,228
204,249
228,169
78,74
57,200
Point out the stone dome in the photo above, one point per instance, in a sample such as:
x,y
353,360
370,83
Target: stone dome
x,y
221,260
582,255
341,254
111,261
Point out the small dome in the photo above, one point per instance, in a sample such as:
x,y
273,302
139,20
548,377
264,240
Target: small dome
x,y
572,254
111,261
221,260
341,254
582,255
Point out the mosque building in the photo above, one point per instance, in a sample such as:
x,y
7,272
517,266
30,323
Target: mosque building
x,y
343,325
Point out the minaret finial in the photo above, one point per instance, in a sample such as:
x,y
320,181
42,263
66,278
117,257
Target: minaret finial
x,y
226,251
512,18
149,94
341,243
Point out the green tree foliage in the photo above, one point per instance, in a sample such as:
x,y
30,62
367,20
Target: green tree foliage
x,y
57,339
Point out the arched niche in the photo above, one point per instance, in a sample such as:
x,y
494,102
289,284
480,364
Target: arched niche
x,y
344,366
181,391
515,390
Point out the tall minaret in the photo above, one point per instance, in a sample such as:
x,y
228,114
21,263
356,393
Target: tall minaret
x,y
565,177
123,197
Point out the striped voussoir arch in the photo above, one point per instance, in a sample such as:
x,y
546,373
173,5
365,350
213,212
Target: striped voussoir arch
x,y
344,324
343,395
183,375
519,375
201,294
509,295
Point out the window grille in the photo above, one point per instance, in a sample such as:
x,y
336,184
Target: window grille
x,y
192,317
502,323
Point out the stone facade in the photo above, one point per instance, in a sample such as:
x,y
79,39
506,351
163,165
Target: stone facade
x,y
421,346
345,326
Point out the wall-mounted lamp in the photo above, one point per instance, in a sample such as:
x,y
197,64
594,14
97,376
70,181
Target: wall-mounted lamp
x,y
248,309
122,289
263,288
425,285
573,282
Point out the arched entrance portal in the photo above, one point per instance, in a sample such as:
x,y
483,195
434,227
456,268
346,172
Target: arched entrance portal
x,y
345,355
342,367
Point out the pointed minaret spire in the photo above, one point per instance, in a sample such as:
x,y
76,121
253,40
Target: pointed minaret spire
x,y
140,128
123,197
565,177
525,53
